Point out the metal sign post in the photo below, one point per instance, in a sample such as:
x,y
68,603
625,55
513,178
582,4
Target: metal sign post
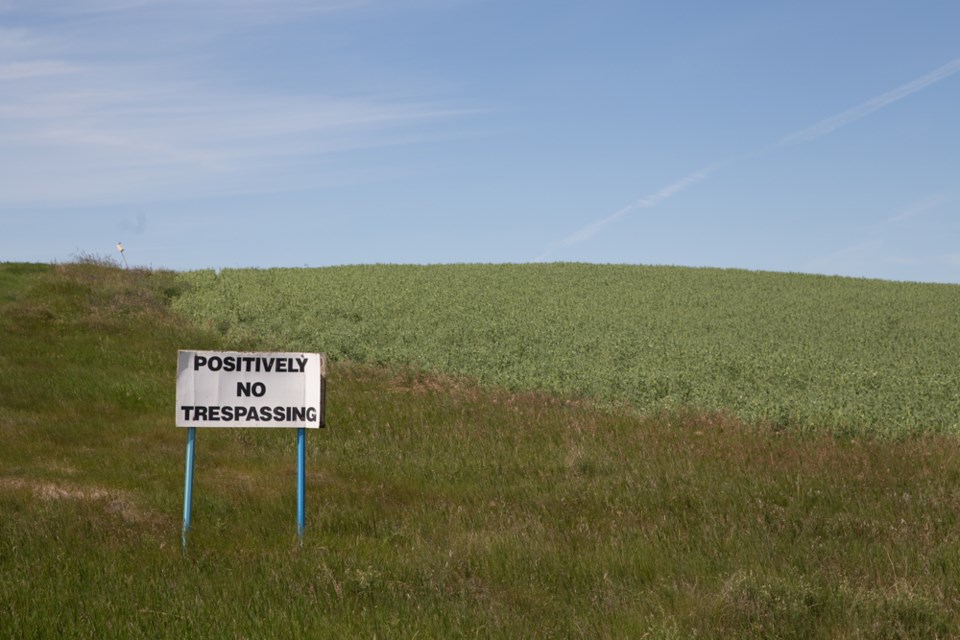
x,y
188,485
301,480
238,389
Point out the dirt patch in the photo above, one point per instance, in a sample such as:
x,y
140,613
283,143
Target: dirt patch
x,y
118,502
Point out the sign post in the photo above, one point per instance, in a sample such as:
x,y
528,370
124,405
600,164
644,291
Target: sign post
x,y
188,485
301,480
240,389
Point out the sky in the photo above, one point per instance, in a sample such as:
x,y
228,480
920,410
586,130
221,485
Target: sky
x,y
814,137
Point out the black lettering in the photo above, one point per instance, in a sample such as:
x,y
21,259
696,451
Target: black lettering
x,y
268,364
249,362
215,363
243,389
226,413
214,414
186,412
281,365
229,363
239,412
278,414
259,389
199,413
299,414
198,362
311,414
303,364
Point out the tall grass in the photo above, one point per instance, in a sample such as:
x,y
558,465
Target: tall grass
x,y
437,507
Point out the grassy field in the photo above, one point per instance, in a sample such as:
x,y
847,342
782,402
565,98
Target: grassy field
x,y
793,351
436,506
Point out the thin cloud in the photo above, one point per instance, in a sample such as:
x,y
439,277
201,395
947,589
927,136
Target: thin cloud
x,y
647,202
808,134
17,40
108,124
180,138
878,242
104,7
218,15
39,68
917,209
849,258
831,124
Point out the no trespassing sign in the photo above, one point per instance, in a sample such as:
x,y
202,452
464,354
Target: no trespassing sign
x,y
240,389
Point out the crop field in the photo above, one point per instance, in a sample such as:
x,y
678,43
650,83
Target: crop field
x,y
785,350
437,506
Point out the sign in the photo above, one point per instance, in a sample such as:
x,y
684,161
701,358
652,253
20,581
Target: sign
x,y
237,389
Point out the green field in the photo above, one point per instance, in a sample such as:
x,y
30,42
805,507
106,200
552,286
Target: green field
x,y
441,506
794,351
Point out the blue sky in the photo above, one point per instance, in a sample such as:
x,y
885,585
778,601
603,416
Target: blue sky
x,y
818,137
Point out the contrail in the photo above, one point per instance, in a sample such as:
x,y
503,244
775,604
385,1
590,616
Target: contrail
x,y
643,203
918,208
814,131
827,125
646,202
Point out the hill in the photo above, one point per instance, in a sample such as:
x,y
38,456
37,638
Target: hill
x,y
436,507
787,350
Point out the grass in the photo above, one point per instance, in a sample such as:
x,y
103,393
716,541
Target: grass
x,y
436,506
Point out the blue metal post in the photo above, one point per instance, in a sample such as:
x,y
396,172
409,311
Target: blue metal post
x,y
188,485
301,479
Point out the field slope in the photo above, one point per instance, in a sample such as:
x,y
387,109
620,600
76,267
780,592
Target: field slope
x,y
436,507
798,351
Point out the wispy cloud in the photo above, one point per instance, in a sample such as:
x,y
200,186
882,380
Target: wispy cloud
x,y
851,258
828,125
918,208
646,202
234,7
84,119
16,39
884,242
38,68
179,136
808,134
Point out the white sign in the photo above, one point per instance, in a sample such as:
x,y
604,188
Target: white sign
x,y
237,389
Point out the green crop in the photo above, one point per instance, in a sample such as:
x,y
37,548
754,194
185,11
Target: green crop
x,y
786,350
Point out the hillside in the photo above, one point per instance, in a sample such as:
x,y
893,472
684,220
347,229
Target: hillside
x,y
787,350
437,507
